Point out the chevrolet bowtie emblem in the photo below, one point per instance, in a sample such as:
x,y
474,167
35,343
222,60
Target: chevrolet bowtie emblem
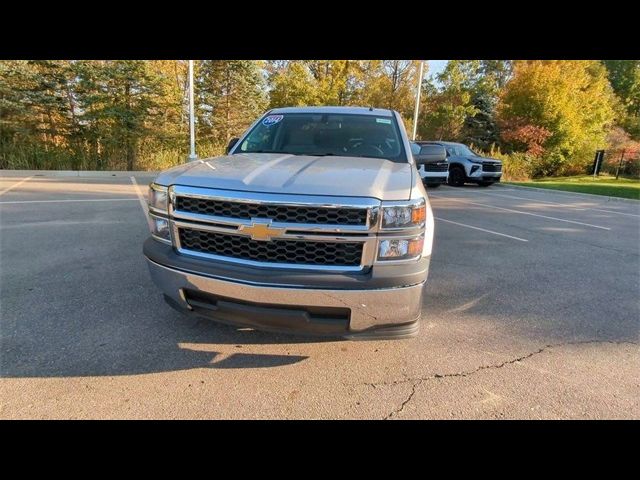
x,y
261,230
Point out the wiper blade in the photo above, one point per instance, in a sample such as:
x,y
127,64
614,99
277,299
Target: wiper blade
x,y
271,151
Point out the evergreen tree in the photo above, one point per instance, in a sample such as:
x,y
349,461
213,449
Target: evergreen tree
x,y
231,96
118,99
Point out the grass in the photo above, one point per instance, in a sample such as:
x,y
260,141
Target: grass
x,y
601,185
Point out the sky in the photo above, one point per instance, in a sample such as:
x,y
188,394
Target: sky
x,y
436,66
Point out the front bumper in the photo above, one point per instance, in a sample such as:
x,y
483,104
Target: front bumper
x,y
479,175
433,177
353,313
491,177
484,176
432,180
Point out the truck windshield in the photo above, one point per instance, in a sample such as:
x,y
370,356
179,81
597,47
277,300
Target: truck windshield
x,y
460,150
322,134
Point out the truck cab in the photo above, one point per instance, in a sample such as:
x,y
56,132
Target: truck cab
x,y
314,221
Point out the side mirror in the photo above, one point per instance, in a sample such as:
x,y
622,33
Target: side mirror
x,y
231,144
431,154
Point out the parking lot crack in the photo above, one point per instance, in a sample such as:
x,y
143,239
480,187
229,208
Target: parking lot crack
x,y
417,381
406,401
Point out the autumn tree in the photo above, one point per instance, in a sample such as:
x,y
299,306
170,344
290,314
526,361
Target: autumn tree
x,y
377,83
134,114
624,76
334,80
446,106
570,99
292,85
390,84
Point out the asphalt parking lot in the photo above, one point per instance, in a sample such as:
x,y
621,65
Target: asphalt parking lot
x,y
532,310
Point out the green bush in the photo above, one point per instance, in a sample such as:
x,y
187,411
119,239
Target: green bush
x,y
548,164
515,166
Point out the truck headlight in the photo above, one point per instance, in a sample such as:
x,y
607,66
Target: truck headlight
x,y
160,229
158,198
403,216
400,248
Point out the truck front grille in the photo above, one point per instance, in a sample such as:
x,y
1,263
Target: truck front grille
x,y
276,213
436,167
491,167
293,252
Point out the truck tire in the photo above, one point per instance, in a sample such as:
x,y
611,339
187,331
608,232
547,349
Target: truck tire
x,y
457,176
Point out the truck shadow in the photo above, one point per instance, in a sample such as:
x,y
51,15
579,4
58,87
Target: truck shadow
x,y
161,341
88,307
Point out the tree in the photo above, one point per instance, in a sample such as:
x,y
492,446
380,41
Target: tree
x,y
91,114
231,94
486,80
624,76
293,85
38,112
446,108
480,129
570,99
390,84
333,80
117,98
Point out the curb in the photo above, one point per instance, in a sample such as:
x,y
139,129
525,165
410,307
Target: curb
x,y
564,192
74,173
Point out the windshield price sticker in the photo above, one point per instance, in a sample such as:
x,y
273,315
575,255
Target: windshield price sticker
x,y
272,120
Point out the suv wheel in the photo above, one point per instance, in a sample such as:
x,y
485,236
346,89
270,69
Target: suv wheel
x,y
456,176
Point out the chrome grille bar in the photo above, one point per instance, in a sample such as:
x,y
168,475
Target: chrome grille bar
x,y
222,226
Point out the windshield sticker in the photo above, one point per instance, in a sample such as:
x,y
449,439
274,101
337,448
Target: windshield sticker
x,y
384,120
272,120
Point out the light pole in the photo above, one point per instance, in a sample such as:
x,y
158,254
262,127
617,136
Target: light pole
x,y
192,123
418,90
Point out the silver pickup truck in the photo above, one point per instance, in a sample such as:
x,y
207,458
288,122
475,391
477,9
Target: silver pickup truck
x,y
315,221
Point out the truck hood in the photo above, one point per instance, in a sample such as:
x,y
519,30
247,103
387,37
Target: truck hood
x,y
297,174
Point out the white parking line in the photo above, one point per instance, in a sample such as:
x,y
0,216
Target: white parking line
x,y
524,213
71,200
143,202
558,204
530,199
15,185
613,211
141,199
482,229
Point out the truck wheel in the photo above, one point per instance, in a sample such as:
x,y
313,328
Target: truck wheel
x,y
456,177
485,184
